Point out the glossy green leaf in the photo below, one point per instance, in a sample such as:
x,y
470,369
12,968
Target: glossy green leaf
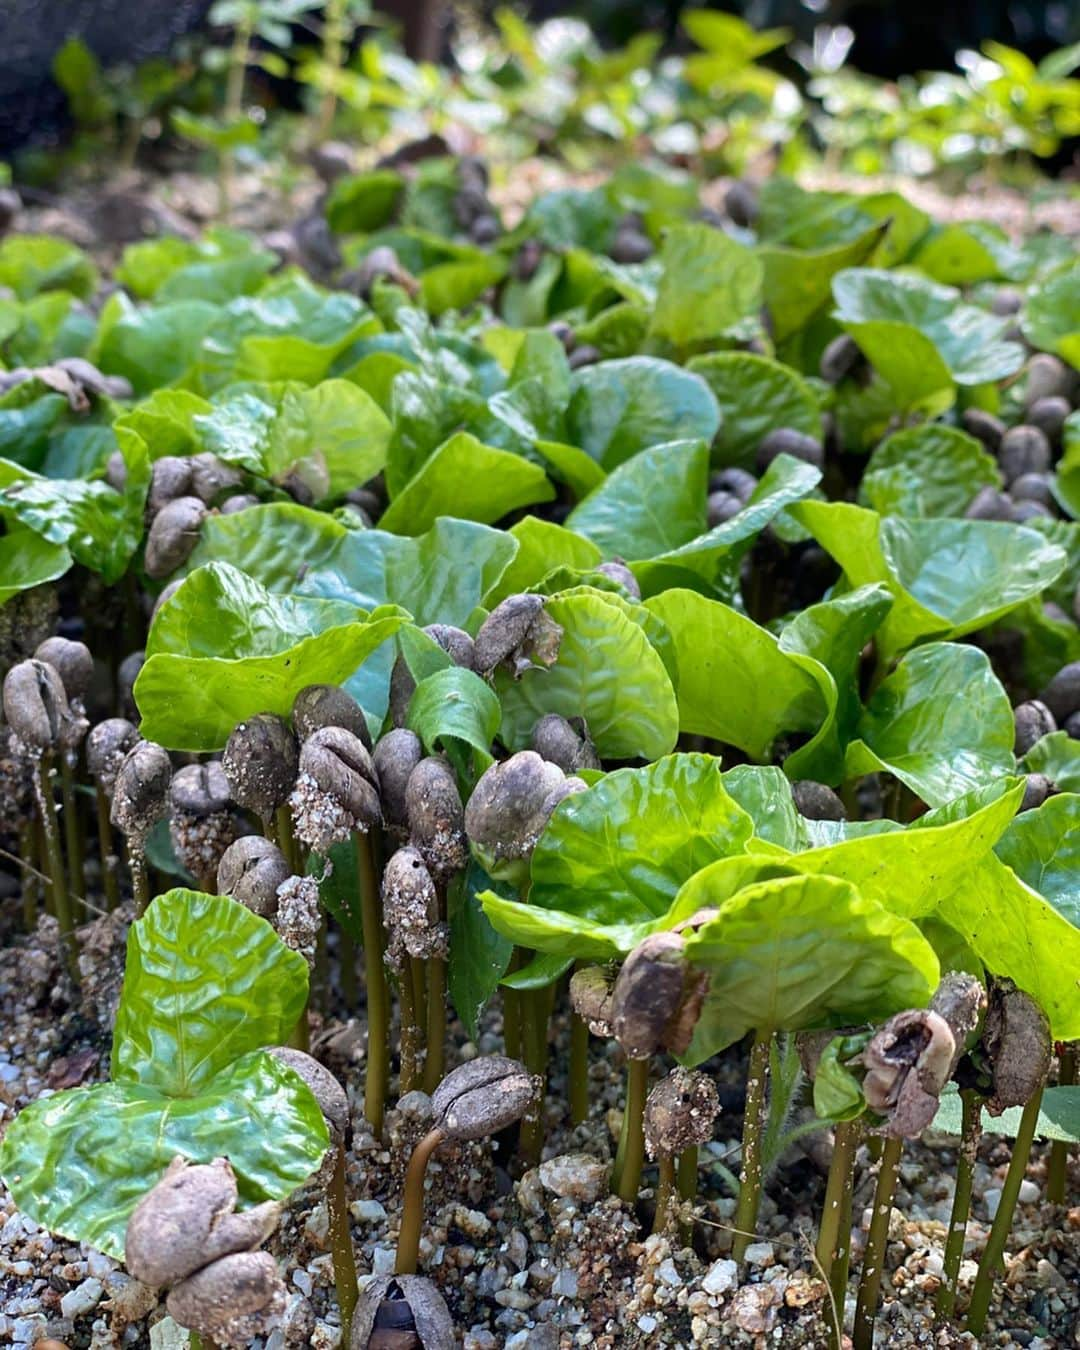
x,y
166,421
607,672
621,850
1049,319
797,281
359,203
79,1162
966,253
225,648
620,407
27,559
764,793
205,981
948,577
479,956
1043,848
651,504
455,705
941,723
1059,1116
479,481
796,953
1058,757
32,263
1019,935
838,1094
930,470
709,283
218,267
151,345
560,933
756,395
735,684
542,546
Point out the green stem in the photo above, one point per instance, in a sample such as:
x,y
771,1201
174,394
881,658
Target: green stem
x,y
341,1245
512,1010
410,1031
1057,1167
140,880
876,1243
412,1204
688,1187
281,833
435,1059
109,860
746,1213
834,1235
999,1232
378,997
333,56
579,1070
73,837
534,1004
970,1130
630,1158
61,900
665,1192
28,853
43,865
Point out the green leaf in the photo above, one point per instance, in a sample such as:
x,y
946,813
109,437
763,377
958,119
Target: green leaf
x,y
941,723
1059,1116
948,577
542,547
735,684
797,953
166,421
359,203
966,253
1043,848
651,504
455,285
218,267
479,956
151,345
79,1162
225,648
930,470
455,705
541,972
32,263
221,135
607,672
709,284
205,982
560,933
797,281
710,562
756,395
482,483
1050,319
967,340
1057,756
838,1094
620,407
1021,936
27,559
339,889
621,850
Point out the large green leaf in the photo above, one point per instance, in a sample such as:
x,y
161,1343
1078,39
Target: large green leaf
x,y
735,684
479,956
710,563
542,547
796,953
797,280
79,1162
1059,1116
967,339
27,560
455,705
710,283
1058,757
479,481
560,933
151,345
941,723
1019,935
621,850
607,672
620,407
225,648
1050,317
929,470
32,263
166,421
218,267
1043,848
948,577
652,503
205,982
756,395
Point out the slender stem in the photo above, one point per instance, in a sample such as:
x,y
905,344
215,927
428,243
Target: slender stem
x,y
412,1204
27,851
626,1173
109,859
73,837
970,1130
435,1060
834,1235
876,1243
418,970
43,864
999,1232
408,1076
281,833
579,1070
665,1192
61,900
341,1245
688,1188
140,880
1057,1167
534,1003
195,1341
378,996
746,1212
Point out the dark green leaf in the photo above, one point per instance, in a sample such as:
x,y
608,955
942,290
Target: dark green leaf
x,y
479,956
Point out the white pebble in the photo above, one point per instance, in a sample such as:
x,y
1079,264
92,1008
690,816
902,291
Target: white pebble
x,y
367,1211
564,1285
382,1261
303,1281
667,1274
81,1299
1029,1193
721,1277
647,1323
992,1200
760,1254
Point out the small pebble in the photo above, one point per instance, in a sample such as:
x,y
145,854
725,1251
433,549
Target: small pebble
x,y
721,1278
574,1176
760,1254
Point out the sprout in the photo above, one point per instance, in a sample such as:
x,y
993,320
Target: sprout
x,y
260,761
1023,450
127,672
1062,694
839,359
325,1088
252,870
565,743
396,755
328,705
618,571
518,634
436,817
299,918
37,710
590,997
457,644
140,797
106,746
678,1118
170,477
232,1300
402,1312
1049,415
908,1062
657,998
787,441
188,1220
411,909
210,477
173,536
337,790
71,661
1016,1037
510,807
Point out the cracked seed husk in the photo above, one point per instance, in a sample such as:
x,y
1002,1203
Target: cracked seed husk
x,y
260,760
251,870
436,817
106,746
483,1096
